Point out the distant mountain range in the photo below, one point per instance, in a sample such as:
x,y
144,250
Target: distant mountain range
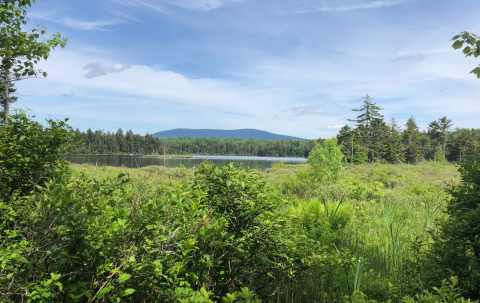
x,y
222,133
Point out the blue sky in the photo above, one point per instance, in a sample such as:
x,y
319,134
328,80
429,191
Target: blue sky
x,y
293,67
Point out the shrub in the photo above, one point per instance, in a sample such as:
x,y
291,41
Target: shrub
x,y
30,154
327,160
87,239
456,250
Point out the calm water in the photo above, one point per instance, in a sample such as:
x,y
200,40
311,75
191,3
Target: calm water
x,y
137,161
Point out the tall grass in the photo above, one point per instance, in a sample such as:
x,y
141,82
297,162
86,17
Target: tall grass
x,y
377,215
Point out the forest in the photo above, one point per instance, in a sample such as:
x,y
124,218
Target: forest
x,y
371,140
99,142
383,230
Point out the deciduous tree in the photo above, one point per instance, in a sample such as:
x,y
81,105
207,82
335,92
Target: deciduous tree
x,y
21,49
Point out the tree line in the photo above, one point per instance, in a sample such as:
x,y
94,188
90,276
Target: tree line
x,y
101,142
374,139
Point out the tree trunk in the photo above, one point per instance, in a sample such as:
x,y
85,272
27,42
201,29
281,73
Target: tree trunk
x,y
351,162
6,104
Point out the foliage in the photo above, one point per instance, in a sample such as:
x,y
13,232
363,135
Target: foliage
x,y
411,138
472,47
85,239
99,142
327,160
30,154
456,250
21,50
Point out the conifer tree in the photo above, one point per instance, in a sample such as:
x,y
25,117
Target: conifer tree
x,y
465,145
346,137
411,140
394,145
370,114
444,127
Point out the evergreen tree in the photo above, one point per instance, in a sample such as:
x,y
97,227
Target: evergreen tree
x,y
465,145
378,139
426,146
370,114
346,137
434,134
444,127
394,145
411,140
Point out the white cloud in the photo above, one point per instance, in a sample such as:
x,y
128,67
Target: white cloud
x,y
363,5
71,95
307,109
98,69
203,5
197,5
97,25
77,23
416,56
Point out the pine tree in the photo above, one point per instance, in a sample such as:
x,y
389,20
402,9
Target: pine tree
x,y
465,145
434,134
444,127
370,115
394,145
346,137
378,139
411,140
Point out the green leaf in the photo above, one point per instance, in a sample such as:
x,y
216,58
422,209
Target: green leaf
x,y
127,292
104,291
476,71
458,44
56,192
124,278
23,260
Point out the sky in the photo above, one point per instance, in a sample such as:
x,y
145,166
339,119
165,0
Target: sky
x,y
291,67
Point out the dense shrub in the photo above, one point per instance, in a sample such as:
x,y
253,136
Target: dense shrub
x,y
456,251
85,239
327,160
30,153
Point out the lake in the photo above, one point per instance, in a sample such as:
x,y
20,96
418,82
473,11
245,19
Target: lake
x,y
260,163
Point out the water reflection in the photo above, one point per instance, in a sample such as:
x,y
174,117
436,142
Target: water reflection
x,y
260,163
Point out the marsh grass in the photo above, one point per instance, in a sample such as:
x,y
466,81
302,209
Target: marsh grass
x,y
379,214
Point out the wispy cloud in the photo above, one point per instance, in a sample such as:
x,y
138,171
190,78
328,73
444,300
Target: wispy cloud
x,y
203,5
411,57
307,109
151,5
77,23
71,95
196,5
89,25
98,69
349,5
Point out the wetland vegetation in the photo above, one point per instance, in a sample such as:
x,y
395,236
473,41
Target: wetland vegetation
x,y
392,217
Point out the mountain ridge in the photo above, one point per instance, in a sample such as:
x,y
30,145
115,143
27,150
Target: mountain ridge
x,y
244,133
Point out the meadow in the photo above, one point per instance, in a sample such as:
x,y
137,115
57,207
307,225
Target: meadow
x,y
325,231
383,214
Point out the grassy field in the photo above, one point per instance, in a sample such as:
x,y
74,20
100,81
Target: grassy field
x,y
383,214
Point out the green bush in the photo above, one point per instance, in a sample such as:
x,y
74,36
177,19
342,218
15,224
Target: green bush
x,y
87,239
30,153
456,250
327,160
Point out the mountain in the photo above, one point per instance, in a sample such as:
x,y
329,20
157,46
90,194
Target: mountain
x,y
222,133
